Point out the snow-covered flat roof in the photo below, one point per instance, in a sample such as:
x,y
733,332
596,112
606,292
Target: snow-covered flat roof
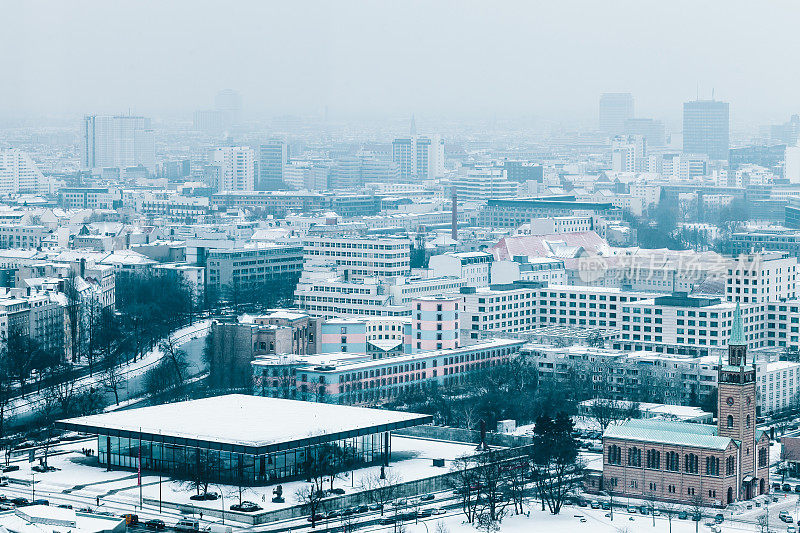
x,y
248,424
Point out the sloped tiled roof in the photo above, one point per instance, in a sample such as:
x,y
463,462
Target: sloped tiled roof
x,y
667,432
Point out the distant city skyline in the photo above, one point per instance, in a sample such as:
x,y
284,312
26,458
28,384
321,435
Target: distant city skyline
x,y
95,58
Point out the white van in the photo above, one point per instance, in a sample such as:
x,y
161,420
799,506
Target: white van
x,y
187,526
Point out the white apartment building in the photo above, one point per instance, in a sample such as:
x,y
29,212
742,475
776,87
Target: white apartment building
x,y
484,183
328,291
778,385
555,225
764,277
473,267
118,142
18,173
22,236
361,256
544,269
628,153
235,168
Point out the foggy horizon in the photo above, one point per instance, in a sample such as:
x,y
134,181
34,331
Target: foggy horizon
x,y
441,60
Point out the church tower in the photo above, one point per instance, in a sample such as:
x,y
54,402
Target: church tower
x,y
736,407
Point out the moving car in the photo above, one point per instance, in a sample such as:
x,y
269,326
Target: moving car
x,y
316,518
429,497
155,523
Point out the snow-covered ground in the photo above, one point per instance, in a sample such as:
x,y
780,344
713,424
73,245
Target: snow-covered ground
x,y
81,476
574,520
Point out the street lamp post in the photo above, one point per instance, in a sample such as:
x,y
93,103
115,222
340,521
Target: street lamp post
x,y
222,498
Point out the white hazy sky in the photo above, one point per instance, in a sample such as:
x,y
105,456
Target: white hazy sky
x,y
453,58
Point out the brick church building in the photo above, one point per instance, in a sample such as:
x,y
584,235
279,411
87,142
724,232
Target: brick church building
x,y
684,462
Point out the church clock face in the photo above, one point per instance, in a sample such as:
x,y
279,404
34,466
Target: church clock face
x,y
729,401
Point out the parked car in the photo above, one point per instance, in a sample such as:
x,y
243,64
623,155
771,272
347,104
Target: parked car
x,y
786,487
316,518
719,518
606,506
19,501
645,510
362,508
696,517
438,511
424,513
386,521
683,515
336,491
333,514
64,506
188,526
786,518
40,502
155,523
797,488
791,529
246,507
581,502
427,498
776,486
632,509
595,504
10,468
207,496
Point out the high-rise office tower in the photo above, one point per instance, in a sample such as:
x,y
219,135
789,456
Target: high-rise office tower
x,y
652,130
229,102
236,168
615,109
209,121
273,157
419,156
118,141
706,128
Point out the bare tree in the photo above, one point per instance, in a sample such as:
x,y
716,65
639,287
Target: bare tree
x,y
670,510
381,487
310,496
464,483
696,503
113,380
763,522
484,522
607,411
176,357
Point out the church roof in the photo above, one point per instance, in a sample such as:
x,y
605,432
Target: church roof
x,y
669,432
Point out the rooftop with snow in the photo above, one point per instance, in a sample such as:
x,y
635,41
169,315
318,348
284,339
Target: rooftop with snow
x,y
244,424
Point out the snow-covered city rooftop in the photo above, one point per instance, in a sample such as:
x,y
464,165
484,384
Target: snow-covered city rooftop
x,y
248,421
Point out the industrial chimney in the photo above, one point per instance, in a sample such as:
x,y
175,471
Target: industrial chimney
x,y
454,223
